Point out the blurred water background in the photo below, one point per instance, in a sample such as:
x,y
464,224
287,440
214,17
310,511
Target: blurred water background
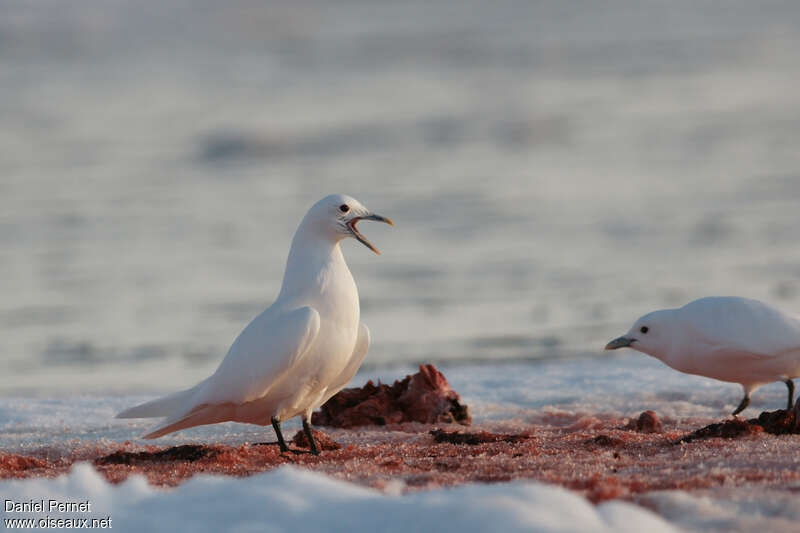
x,y
554,169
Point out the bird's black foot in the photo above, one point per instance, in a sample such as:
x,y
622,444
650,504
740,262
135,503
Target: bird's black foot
x,y
790,385
742,405
310,435
276,425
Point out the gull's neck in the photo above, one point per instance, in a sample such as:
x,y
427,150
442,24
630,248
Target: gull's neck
x,y
315,263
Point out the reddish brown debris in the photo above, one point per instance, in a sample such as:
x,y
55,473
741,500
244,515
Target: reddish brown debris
x,y
324,441
780,422
648,422
729,429
187,452
10,462
424,397
481,437
605,440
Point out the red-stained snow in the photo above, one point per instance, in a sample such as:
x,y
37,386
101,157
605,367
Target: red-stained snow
x,y
596,456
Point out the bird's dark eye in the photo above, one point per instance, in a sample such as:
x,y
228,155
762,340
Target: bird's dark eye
x,y
644,329
344,208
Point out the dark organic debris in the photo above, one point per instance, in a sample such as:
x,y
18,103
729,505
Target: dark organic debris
x,y
648,422
187,452
780,422
481,437
324,441
605,440
729,429
424,397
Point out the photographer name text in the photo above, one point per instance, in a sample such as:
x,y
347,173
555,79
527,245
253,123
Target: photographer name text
x,y
47,506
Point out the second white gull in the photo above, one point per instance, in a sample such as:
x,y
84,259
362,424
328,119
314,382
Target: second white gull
x,y
728,338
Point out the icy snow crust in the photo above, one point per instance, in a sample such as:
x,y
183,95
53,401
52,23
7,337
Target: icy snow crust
x,y
292,500
618,385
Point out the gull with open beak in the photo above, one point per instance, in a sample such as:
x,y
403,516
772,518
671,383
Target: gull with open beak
x,y
726,338
296,354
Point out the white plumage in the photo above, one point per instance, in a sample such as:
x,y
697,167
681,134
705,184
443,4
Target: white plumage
x,y
297,353
726,338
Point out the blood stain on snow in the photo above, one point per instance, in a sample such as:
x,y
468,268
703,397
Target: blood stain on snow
x,y
595,454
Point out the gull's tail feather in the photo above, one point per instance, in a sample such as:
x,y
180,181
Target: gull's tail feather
x,y
166,406
206,414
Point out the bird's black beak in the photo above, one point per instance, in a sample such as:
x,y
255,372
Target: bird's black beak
x,y
619,342
357,234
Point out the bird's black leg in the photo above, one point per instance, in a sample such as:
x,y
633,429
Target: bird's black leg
x,y
276,425
790,384
310,435
742,405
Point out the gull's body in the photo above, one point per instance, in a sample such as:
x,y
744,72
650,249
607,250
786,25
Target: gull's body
x,y
297,353
726,338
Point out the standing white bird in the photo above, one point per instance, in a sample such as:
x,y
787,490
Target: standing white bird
x,y
296,354
726,338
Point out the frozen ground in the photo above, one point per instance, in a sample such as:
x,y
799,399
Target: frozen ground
x,y
502,396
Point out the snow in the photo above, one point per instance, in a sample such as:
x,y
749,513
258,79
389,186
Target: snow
x,y
619,385
727,510
290,499
616,385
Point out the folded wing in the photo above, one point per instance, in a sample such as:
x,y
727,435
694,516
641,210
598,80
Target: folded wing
x,y
258,359
262,354
741,325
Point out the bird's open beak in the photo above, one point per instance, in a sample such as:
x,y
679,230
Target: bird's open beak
x,y
357,234
619,342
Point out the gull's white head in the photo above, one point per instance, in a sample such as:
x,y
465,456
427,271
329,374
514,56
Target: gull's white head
x,y
651,334
335,217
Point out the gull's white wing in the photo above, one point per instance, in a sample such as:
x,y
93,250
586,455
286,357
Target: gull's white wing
x,y
353,364
749,327
260,356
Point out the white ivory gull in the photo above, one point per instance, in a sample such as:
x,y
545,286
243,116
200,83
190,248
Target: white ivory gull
x,y
296,354
726,338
